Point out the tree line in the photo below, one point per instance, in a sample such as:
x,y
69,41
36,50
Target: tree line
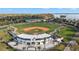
x,y
62,19
6,19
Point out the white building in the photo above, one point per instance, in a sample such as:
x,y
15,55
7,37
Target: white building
x,y
33,42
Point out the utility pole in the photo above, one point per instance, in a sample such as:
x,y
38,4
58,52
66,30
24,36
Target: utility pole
x,y
44,43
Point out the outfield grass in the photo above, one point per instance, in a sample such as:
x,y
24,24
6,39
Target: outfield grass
x,y
50,26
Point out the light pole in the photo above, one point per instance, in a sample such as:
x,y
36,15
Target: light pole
x,y
44,43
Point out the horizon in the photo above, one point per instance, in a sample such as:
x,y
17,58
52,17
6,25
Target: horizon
x,y
39,10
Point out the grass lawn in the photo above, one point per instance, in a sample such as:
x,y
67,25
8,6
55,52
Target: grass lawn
x,y
67,33
5,37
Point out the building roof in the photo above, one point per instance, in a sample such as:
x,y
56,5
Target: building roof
x,y
28,36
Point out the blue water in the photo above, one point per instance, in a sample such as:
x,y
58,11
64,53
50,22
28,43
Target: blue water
x,y
68,15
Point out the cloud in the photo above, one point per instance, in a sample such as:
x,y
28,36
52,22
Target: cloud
x,y
73,8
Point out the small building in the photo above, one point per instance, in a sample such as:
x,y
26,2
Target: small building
x,y
62,17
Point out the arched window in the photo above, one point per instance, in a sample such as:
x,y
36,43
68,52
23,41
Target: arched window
x,y
33,43
38,43
28,43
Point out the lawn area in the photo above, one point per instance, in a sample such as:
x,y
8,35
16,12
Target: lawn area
x,y
5,37
4,47
67,33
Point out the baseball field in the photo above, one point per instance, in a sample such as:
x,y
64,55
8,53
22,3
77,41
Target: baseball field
x,y
36,27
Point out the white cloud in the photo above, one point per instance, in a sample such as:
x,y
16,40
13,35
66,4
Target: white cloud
x,y
73,9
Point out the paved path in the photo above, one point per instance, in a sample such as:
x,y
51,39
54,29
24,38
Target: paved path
x,y
67,49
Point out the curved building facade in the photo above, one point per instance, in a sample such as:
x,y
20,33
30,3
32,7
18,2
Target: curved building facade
x,y
33,42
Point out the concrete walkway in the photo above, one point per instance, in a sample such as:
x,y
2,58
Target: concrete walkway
x,y
67,49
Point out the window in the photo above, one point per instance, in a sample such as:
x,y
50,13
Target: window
x,y
20,42
28,43
33,42
38,43
39,47
24,41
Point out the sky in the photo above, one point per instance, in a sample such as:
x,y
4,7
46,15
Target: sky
x,y
38,10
